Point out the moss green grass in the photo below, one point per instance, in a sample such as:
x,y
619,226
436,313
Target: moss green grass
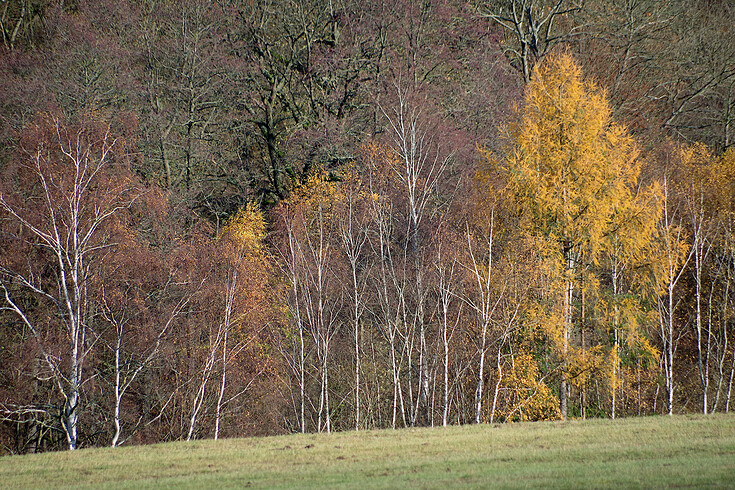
x,y
679,451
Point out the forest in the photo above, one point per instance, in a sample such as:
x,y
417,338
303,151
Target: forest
x,y
224,218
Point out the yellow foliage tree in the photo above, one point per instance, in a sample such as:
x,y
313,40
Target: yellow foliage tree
x,y
705,185
573,173
246,230
241,264
528,397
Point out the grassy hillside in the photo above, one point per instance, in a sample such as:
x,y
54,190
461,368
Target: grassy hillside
x,y
652,451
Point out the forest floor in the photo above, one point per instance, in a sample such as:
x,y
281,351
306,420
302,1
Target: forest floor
x,y
678,451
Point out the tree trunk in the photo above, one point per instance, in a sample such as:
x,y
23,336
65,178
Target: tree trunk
x,y
567,327
669,346
222,385
481,376
497,385
118,394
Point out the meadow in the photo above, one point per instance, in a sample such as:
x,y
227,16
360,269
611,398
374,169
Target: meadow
x,y
661,451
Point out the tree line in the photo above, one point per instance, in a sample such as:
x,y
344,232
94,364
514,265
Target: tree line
x,y
232,218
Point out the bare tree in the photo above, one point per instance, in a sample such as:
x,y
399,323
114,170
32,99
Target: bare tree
x,y
353,232
419,170
484,301
130,363
390,287
315,299
297,362
533,28
675,257
74,200
447,327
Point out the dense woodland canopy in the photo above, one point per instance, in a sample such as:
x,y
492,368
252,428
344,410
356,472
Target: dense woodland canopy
x,y
226,218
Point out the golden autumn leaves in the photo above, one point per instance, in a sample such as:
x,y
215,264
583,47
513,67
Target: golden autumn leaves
x,y
611,250
573,281
566,195
573,176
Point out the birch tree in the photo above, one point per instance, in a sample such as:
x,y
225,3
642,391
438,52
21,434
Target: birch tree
x,y
484,297
230,317
354,221
310,247
133,357
74,183
676,253
725,205
421,167
245,299
697,163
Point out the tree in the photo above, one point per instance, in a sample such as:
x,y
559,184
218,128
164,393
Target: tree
x,y
533,28
702,186
668,66
669,268
354,217
620,305
185,86
726,258
72,183
390,286
310,235
22,20
136,303
622,46
245,297
485,298
697,99
422,165
571,170
697,166
289,77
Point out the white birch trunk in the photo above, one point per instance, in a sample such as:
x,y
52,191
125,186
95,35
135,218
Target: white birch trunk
x,y
74,211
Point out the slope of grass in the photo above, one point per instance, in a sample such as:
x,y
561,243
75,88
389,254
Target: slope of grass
x,y
637,452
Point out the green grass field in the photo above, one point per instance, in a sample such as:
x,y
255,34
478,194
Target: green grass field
x,y
680,451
